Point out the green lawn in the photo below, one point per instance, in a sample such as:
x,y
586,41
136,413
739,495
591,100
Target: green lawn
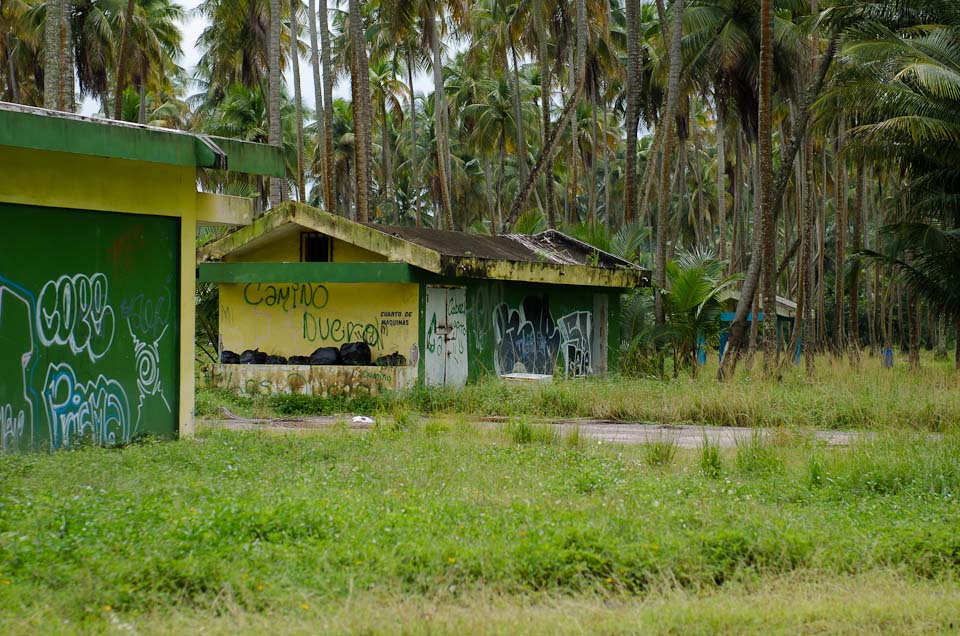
x,y
444,528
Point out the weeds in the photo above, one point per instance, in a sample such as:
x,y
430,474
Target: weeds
x,y
708,456
756,456
659,453
521,431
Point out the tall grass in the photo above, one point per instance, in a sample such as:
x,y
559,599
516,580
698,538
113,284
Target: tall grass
x,y
842,396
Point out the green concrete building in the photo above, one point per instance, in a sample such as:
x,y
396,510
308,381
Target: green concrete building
x,y
97,273
442,308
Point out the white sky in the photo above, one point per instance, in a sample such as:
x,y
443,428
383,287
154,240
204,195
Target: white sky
x,y
193,25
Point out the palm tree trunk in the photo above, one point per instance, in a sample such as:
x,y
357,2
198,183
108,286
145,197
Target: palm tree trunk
x,y
593,158
297,96
840,254
65,67
573,214
765,149
414,167
122,60
821,254
854,298
808,333
12,84
546,153
518,115
51,54
738,326
142,107
328,188
543,61
318,100
914,318
274,134
721,181
439,107
632,115
488,188
386,156
607,212
362,123
673,100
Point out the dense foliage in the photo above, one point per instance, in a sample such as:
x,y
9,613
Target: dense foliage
x,y
787,137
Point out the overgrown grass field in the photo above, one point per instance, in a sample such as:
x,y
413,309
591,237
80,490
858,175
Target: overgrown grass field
x,y
840,396
427,527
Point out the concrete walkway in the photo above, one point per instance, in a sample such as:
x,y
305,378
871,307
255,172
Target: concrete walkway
x,y
682,435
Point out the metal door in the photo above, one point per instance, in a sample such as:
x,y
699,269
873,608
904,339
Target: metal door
x,y
445,360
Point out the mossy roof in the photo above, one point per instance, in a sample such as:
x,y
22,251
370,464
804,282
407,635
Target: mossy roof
x,y
548,257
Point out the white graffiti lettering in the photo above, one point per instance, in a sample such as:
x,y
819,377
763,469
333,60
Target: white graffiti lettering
x,y
74,409
575,337
148,370
75,310
16,355
529,340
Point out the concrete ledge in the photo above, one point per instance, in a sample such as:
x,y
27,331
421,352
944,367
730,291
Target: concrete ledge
x,y
319,381
221,209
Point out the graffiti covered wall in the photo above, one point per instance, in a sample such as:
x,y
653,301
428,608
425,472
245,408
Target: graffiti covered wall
x,y
89,337
290,319
542,329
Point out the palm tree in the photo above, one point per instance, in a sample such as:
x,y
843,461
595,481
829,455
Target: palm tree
x,y
297,95
359,74
673,100
695,281
328,190
318,99
768,237
274,73
388,90
122,59
51,57
632,114
20,54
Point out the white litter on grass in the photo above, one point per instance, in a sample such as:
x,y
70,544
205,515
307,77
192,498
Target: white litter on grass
x,y
362,419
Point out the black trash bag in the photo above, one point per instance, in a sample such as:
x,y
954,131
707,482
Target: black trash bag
x,y
276,360
229,357
325,355
299,360
392,360
355,353
253,356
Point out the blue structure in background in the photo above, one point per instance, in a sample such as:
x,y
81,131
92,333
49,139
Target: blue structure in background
x,y
786,318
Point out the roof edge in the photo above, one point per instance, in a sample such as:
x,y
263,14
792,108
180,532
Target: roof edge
x,y
56,131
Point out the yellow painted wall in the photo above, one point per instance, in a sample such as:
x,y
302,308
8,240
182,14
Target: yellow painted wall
x,y
296,318
282,249
344,252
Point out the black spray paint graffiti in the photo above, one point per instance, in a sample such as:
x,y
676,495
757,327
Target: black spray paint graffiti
x,y
529,340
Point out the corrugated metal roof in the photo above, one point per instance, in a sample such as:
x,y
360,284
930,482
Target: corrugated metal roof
x,y
550,247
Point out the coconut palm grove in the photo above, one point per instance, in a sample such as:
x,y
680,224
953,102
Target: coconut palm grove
x,y
751,158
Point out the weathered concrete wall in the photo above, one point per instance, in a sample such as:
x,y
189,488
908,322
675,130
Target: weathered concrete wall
x,y
321,381
296,318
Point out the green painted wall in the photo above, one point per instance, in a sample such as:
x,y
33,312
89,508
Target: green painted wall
x,y
89,315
